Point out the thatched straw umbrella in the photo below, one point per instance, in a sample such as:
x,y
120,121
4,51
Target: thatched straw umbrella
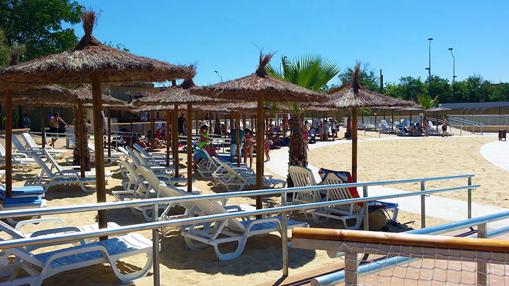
x,y
54,95
175,96
93,62
260,86
354,97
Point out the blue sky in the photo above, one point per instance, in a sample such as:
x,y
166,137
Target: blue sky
x,y
227,35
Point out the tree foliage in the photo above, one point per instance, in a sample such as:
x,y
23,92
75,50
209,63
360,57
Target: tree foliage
x,y
4,50
368,78
41,25
471,89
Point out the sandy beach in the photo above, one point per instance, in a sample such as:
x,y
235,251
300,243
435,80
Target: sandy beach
x,y
261,261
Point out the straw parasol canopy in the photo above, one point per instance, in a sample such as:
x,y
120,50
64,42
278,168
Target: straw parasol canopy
x,y
354,97
51,95
175,96
90,59
260,86
93,62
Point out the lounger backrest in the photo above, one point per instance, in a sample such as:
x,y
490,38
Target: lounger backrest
x,y
151,178
29,140
2,151
337,193
140,149
46,170
91,146
303,177
52,160
123,150
17,144
208,207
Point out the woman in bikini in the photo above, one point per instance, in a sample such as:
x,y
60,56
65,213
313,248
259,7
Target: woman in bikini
x,y
249,142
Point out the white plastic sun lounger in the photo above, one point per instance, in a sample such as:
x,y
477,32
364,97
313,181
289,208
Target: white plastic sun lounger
x,y
53,262
17,158
48,178
33,146
303,177
346,213
134,185
237,179
55,165
198,236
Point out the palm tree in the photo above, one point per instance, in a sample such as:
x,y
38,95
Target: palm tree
x,y
311,72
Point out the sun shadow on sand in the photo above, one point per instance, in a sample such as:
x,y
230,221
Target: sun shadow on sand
x,y
66,192
264,249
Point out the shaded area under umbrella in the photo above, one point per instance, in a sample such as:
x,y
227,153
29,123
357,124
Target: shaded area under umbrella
x,y
89,62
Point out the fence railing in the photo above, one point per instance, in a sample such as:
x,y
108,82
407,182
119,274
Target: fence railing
x,y
479,222
176,222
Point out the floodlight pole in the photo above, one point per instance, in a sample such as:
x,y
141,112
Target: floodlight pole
x,y
453,70
429,66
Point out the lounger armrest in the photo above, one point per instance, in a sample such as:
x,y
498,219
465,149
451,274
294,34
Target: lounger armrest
x,y
35,221
63,172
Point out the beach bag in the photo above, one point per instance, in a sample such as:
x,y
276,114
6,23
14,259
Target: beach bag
x,y
344,176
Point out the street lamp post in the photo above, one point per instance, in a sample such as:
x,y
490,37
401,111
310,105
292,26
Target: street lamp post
x,y
429,66
220,77
453,70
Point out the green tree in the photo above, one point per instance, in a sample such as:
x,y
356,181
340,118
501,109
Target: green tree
x,y
312,72
40,25
472,89
440,89
368,78
408,88
4,50
500,92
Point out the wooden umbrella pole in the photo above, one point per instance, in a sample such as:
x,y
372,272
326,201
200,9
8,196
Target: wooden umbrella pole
x,y
244,121
168,140
8,143
152,122
196,122
259,149
99,154
354,144
80,126
237,127
109,133
43,131
189,150
175,141
392,121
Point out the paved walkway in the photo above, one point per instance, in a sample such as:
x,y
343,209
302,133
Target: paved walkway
x,y
497,153
437,207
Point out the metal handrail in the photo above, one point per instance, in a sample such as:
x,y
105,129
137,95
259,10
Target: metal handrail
x,y
222,196
187,221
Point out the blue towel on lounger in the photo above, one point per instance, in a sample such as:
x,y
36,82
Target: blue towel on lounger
x,y
27,191
21,202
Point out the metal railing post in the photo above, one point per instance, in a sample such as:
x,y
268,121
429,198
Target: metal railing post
x,y
366,208
423,205
482,267
469,200
284,236
155,249
351,268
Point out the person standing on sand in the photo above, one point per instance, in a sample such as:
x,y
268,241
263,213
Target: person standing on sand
x,y
249,142
445,124
181,122
55,122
